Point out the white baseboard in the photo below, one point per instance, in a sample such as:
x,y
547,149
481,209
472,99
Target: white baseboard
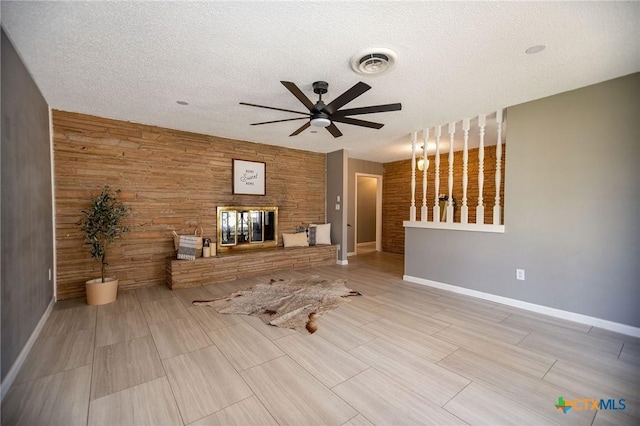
x,y
558,313
351,253
17,365
342,262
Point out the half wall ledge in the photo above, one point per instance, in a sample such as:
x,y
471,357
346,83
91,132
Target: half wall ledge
x,y
473,227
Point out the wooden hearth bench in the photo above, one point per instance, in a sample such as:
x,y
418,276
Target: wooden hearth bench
x,y
245,264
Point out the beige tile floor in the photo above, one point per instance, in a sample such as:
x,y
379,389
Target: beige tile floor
x,y
400,354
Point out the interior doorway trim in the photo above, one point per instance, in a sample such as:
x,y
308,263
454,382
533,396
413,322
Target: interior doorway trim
x,y
378,211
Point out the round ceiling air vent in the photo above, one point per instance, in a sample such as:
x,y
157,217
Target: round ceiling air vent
x,y
374,61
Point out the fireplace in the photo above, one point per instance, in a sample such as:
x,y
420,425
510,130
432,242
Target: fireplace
x,y
246,228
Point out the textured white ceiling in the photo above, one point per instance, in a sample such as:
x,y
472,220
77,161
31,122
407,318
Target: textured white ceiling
x,y
134,60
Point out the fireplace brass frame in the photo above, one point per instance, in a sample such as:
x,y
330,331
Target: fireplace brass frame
x,y
227,246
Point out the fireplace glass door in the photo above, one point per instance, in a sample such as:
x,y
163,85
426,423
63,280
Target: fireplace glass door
x,y
241,228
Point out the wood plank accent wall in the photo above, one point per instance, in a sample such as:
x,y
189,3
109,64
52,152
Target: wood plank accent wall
x,y
396,192
172,180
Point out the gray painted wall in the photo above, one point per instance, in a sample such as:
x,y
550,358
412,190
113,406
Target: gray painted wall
x,y
336,187
571,214
357,166
27,225
366,231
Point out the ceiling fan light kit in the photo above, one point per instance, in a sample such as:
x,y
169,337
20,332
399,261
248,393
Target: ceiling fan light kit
x,y
322,115
320,122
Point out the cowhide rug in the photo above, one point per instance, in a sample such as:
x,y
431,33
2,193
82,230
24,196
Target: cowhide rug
x,y
293,304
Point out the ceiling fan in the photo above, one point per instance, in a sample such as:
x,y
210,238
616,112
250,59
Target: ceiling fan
x,y
321,115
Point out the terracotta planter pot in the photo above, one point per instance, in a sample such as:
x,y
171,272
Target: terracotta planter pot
x,y
100,293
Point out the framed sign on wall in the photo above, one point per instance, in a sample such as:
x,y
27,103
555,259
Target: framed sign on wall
x,y
249,177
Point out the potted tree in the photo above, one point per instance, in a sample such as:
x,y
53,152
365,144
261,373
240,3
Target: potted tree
x,y
102,224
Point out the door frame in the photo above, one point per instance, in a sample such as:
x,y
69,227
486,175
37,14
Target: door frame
x,y
378,211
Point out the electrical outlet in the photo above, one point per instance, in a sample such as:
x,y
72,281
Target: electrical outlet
x,y
520,274
337,206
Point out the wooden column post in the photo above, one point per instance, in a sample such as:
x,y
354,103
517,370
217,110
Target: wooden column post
x,y
482,123
412,210
464,211
496,207
436,207
423,211
452,131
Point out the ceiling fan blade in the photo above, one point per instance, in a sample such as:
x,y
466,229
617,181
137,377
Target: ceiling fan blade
x,y
300,129
298,94
277,109
279,121
334,130
357,90
356,122
368,110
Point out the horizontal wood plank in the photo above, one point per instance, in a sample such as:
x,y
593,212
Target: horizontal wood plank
x,y
211,270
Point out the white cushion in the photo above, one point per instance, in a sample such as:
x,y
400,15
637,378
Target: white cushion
x,y
295,240
323,234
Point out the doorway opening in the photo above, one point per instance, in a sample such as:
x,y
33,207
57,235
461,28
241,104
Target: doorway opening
x,y
368,213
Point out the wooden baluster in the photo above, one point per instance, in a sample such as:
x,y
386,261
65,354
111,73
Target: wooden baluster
x,y
464,211
452,131
482,122
412,210
423,211
496,207
436,208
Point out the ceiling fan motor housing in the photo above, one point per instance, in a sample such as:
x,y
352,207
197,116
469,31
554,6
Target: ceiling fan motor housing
x,y
317,109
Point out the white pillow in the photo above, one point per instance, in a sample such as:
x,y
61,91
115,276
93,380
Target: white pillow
x,y
295,240
323,234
